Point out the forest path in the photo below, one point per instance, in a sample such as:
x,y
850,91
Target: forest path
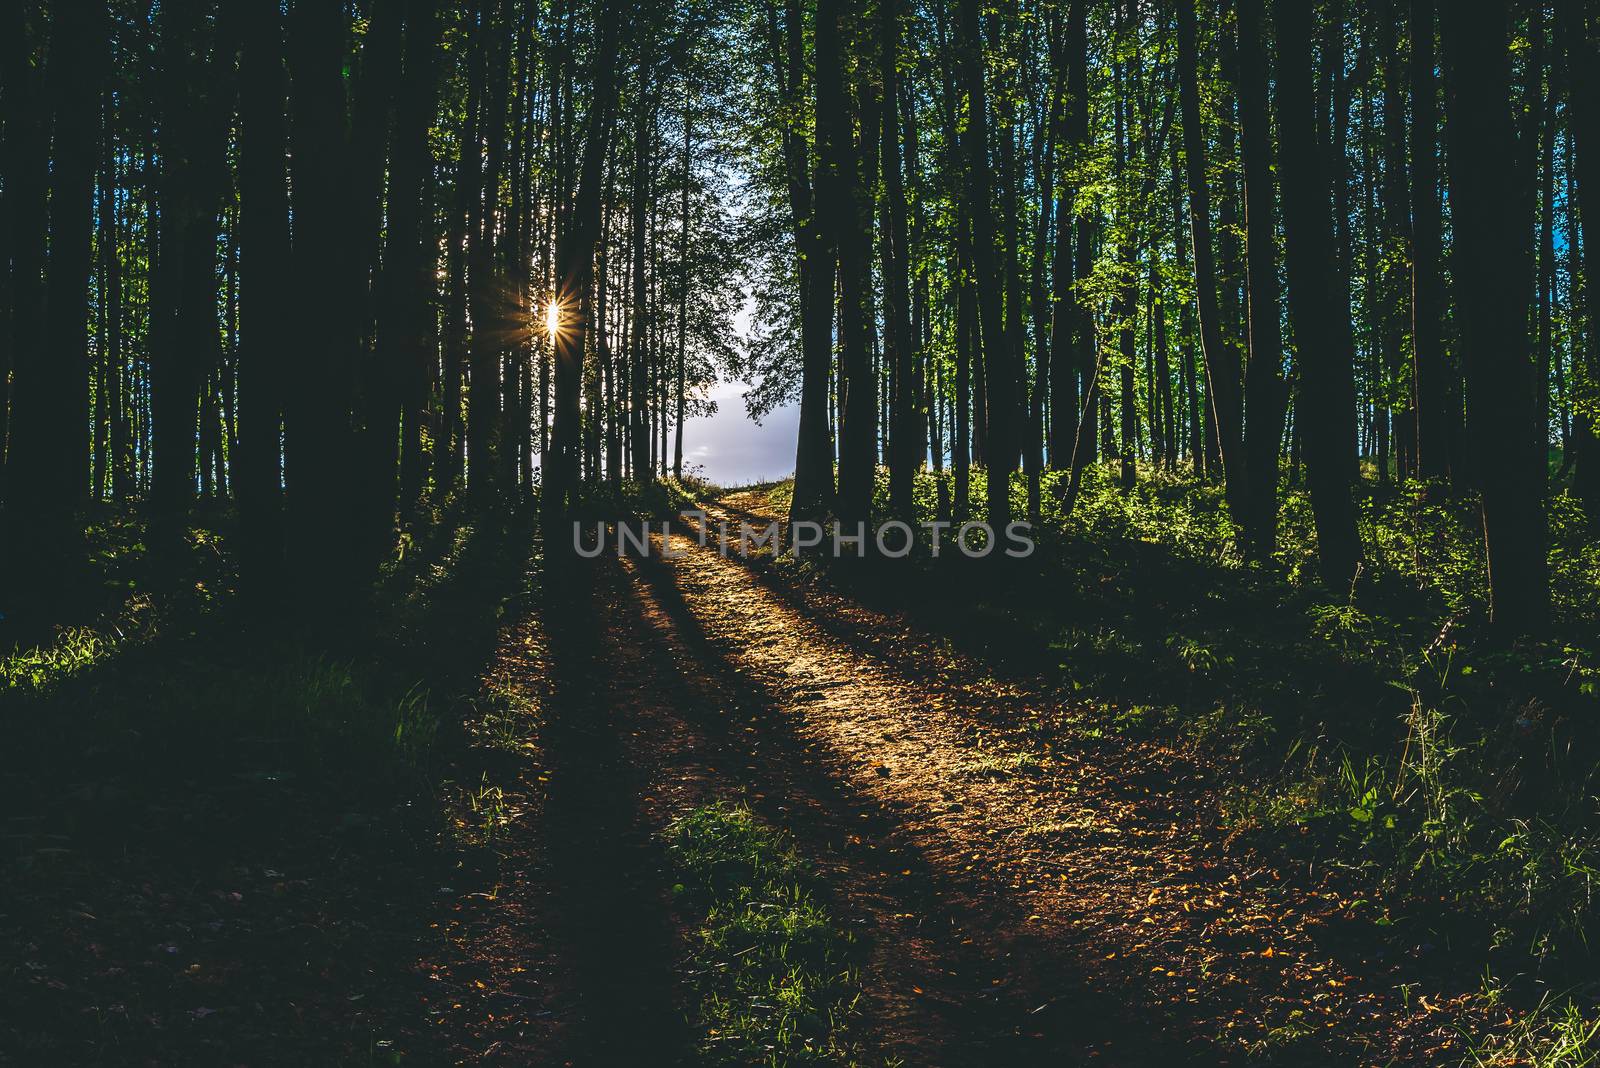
x,y
1024,893
1031,897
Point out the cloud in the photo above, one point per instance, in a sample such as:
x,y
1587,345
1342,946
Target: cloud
x,y
731,449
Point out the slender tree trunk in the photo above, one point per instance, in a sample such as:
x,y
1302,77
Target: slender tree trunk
x,y
484,283
1123,306
1491,212
639,433
851,171
900,349
999,375
109,436
966,341
1429,371
1397,220
1544,133
48,461
1066,307
318,436
1222,369
267,289
1326,400
1583,102
416,348
401,351
813,468
1264,389
574,268
683,289
450,444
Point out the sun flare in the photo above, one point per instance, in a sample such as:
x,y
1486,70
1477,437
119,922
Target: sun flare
x,y
552,318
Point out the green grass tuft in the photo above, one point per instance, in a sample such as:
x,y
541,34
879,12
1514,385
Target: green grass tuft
x,y
775,980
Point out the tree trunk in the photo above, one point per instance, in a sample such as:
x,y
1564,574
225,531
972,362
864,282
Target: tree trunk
x,y
1326,400
851,171
48,462
999,375
401,350
1491,212
639,435
899,346
1583,102
574,267
318,435
1222,367
1264,388
485,285
1430,372
683,289
267,289
813,467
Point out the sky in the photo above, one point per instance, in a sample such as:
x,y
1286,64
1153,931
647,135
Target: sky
x,y
730,449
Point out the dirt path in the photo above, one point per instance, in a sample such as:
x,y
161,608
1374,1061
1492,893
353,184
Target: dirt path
x,y
1049,898
1024,896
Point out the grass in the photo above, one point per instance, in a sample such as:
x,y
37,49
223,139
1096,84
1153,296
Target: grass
x,y
1556,1034
776,984
1382,725
1000,765
1381,729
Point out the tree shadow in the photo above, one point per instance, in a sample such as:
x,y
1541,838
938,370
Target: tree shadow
x,y
1018,997
610,913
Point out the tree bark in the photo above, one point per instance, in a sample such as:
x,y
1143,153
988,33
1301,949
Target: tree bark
x,y
1491,212
813,467
1222,368
48,454
575,247
847,199
999,374
1326,399
1583,100
266,267
1264,387
899,348
1431,374
318,438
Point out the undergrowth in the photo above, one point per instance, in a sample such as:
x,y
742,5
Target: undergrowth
x,y
1382,727
774,976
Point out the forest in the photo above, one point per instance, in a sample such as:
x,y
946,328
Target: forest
x,y
1263,324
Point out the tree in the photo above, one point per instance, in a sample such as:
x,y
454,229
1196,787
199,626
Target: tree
x,y
1223,390
1326,401
1492,215
1583,78
899,347
999,378
574,267
1263,380
47,461
813,466
267,268
1435,423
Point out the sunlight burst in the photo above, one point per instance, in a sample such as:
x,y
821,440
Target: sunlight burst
x,y
552,318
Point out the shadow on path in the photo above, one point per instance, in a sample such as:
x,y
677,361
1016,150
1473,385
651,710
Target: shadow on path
x,y
611,918
953,978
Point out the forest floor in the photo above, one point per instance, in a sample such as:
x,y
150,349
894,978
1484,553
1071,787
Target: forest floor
x,y
1012,884
1020,891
